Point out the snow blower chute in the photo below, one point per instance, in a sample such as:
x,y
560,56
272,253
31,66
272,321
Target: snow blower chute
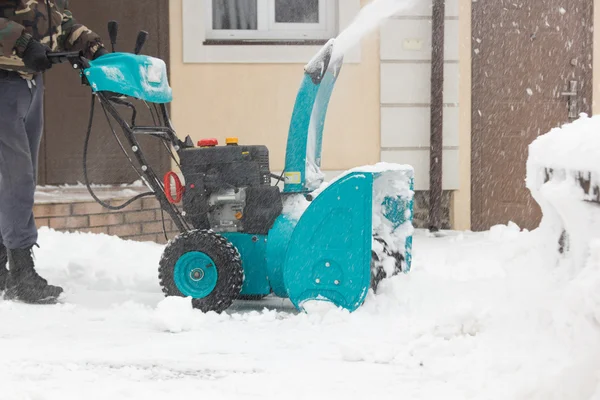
x,y
241,235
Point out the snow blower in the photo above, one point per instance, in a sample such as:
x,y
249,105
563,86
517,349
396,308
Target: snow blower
x,y
241,234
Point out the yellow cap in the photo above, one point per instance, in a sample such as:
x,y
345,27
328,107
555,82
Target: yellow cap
x,y
231,140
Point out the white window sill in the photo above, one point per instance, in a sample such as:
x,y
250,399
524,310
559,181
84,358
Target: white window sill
x,y
194,51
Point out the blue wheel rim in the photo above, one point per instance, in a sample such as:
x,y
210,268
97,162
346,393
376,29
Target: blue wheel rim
x,y
195,275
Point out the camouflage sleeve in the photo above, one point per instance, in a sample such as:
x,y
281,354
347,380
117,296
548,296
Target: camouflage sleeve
x,y
77,37
11,38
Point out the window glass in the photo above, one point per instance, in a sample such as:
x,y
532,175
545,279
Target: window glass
x,y
235,14
297,11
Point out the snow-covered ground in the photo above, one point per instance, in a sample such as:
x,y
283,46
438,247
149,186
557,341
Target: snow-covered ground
x,y
481,316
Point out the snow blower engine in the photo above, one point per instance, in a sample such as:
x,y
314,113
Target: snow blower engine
x,y
244,231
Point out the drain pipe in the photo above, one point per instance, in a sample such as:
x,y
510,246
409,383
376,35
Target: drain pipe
x,y
437,116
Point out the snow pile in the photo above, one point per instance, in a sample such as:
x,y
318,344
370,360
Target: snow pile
x,y
99,262
481,316
572,147
563,175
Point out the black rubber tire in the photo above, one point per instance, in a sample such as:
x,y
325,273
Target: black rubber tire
x,y
221,251
252,297
377,272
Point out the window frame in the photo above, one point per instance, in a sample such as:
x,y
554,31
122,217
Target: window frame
x,y
269,30
197,50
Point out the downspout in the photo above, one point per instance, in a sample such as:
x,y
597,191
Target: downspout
x,y
437,116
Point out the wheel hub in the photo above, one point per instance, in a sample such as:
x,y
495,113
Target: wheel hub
x,y
195,275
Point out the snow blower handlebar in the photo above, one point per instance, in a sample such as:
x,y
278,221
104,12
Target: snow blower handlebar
x,y
109,100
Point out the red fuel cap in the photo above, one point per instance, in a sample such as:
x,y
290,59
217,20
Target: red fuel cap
x,y
208,142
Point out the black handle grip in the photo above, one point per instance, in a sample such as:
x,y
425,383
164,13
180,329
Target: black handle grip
x,y
61,57
113,32
141,39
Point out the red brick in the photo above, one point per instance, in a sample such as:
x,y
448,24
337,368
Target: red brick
x,y
143,238
125,230
135,206
150,204
89,209
106,219
52,210
154,227
69,222
42,222
102,229
167,218
140,216
159,216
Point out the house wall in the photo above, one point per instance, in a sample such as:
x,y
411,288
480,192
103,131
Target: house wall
x,y
406,92
405,53
253,100
461,199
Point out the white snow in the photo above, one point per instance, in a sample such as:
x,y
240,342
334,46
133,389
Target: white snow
x,y
113,73
481,316
574,146
154,76
558,163
367,20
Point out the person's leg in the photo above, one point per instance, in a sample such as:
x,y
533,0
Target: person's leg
x,y
21,125
17,181
34,125
15,164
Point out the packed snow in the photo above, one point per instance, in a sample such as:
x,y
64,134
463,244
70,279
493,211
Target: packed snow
x,y
155,78
573,146
488,315
113,73
563,176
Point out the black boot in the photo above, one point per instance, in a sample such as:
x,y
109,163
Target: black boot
x,y
24,284
3,270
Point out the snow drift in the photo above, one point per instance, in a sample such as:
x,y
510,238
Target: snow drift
x,y
563,175
481,316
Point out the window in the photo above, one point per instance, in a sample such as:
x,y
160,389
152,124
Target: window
x,y
270,20
290,36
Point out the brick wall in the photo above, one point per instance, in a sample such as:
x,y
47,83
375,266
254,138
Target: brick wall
x,y
140,221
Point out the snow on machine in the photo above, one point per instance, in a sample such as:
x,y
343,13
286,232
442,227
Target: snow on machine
x,y
241,235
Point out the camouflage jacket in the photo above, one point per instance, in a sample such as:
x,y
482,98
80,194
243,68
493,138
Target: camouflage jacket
x,y
21,20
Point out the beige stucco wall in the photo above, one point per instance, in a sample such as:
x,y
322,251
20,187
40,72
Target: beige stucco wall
x,y
461,199
254,102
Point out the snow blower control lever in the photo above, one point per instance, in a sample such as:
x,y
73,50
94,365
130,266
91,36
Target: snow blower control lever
x,y
241,235
113,32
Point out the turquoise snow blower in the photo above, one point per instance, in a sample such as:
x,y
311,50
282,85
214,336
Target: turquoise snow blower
x,y
241,235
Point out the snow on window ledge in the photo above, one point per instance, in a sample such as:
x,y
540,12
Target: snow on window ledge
x,y
196,51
